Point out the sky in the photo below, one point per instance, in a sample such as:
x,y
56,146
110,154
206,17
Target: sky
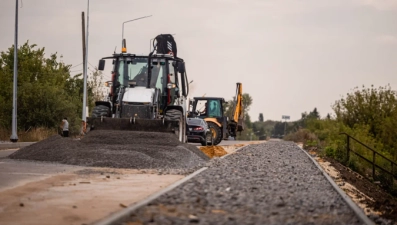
x,y
291,56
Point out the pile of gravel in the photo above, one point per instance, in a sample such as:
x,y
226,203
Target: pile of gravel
x,y
117,149
271,183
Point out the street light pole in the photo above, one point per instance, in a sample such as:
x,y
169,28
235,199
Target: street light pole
x,y
14,135
122,34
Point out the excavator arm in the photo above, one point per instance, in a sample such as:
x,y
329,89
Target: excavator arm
x,y
238,113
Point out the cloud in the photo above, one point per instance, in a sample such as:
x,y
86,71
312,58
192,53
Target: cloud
x,y
386,39
382,5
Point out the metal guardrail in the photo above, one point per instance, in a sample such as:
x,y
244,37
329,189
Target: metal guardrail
x,y
373,161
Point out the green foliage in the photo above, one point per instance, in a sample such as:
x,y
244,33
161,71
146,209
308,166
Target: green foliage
x,y
374,108
247,120
311,143
46,92
263,129
329,151
95,81
260,117
247,102
370,116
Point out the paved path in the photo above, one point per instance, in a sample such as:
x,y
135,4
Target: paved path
x,y
49,193
10,145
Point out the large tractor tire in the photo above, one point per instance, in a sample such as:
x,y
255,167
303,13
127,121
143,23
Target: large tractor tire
x,y
216,132
99,111
176,115
173,115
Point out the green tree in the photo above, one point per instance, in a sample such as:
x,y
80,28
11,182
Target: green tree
x,y
247,120
247,102
314,114
46,92
375,108
228,108
95,81
260,117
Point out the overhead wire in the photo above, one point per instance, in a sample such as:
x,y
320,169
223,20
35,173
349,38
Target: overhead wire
x,y
91,64
76,70
75,66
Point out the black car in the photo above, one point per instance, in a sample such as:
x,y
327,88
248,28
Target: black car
x,y
198,131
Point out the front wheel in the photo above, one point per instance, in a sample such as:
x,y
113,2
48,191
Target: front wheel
x,y
216,132
176,115
100,110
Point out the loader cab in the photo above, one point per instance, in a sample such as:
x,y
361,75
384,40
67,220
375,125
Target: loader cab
x,y
207,107
158,72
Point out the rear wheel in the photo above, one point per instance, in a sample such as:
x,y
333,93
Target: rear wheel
x,y
100,110
216,132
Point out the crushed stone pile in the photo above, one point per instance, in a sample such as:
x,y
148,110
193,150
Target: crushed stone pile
x,y
117,149
213,151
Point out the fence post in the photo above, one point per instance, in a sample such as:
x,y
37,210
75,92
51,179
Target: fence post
x,y
392,175
348,147
373,165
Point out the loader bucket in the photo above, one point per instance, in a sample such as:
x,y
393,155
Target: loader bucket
x,y
148,125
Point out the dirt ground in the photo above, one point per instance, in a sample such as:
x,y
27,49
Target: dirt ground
x,y
382,201
79,197
369,196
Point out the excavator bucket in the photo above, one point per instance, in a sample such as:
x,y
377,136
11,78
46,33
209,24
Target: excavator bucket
x,y
148,125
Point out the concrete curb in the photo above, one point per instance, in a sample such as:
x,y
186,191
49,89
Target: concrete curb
x,y
14,145
357,210
121,216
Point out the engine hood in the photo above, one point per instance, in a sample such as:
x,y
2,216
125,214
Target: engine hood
x,y
139,95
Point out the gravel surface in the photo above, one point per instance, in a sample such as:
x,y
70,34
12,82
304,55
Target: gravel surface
x,y
270,183
118,149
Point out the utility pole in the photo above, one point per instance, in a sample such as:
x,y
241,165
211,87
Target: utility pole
x,y
84,116
83,128
14,135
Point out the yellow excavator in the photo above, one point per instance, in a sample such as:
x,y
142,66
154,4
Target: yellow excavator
x,y
211,109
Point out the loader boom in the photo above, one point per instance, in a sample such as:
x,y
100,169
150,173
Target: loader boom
x,y
238,112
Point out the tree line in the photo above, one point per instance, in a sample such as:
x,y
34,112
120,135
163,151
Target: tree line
x,y
46,90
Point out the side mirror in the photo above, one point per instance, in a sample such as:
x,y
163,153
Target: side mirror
x,y
181,67
101,65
